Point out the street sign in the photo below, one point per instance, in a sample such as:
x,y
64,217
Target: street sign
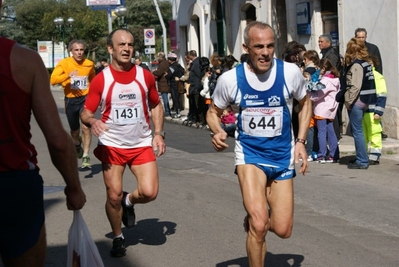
x,y
149,36
149,51
104,4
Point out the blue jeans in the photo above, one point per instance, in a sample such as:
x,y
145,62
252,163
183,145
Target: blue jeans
x,y
310,138
326,133
356,117
165,100
229,128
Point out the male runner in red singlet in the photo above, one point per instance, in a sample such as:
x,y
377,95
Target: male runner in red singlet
x,y
24,89
126,95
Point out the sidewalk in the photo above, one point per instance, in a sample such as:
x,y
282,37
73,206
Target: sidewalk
x,y
346,144
390,146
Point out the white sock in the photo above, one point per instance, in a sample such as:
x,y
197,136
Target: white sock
x,y
127,202
85,155
121,235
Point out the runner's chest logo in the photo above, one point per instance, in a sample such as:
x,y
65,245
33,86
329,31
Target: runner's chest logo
x,y
274,101
253,100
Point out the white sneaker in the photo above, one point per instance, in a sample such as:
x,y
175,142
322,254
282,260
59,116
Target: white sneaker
x,y
309,159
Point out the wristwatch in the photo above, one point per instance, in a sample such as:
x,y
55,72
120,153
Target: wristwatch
x,y
161,133
300,140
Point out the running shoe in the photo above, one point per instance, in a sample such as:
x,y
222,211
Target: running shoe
x,y
320,160
118,247
79,149
331,160
86,162
128,215
357,166
309,159
176,116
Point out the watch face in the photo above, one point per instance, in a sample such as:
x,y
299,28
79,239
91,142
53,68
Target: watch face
x,y
162,133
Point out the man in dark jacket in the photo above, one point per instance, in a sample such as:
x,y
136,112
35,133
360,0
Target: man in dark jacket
x,y
195,99
325,45
361,34
140,63
162,83
175,70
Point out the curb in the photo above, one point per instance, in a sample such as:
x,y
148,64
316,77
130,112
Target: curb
x,y
389,145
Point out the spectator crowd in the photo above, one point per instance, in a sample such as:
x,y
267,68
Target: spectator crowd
x,y
331,86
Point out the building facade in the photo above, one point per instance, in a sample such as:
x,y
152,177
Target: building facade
x,y
216,26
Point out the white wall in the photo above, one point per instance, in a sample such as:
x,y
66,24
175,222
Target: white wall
x,y
379,17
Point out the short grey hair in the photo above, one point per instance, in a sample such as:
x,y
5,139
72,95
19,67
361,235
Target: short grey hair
x,y
326,37
256,24
76,41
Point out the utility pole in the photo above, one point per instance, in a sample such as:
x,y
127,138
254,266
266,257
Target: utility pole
x,y
165,44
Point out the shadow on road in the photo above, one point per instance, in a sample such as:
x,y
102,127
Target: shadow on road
x,y
275,260
95,169
346,159
148,232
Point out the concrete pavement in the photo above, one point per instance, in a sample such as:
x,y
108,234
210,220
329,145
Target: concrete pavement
x,y
342,217
346,144
390,146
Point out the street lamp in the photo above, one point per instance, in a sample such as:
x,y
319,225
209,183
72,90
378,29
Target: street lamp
x,y
121,12
63,28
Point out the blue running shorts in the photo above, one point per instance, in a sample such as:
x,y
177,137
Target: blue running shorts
x,y
273,173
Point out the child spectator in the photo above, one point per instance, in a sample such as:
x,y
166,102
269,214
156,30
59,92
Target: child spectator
x,y
311,60
205,92
228,121
310,145
325,109
312,71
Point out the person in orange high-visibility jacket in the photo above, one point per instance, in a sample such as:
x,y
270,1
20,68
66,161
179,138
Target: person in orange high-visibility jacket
x,y
372,118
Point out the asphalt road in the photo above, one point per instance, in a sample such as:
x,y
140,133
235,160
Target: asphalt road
x,y
344,218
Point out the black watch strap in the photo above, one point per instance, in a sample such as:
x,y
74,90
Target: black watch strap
x,y
300,140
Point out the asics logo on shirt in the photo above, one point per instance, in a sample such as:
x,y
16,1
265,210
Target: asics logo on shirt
x,y
127,96
247,96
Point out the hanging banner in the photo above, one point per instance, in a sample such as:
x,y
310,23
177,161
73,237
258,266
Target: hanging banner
x,y
49,54
173,35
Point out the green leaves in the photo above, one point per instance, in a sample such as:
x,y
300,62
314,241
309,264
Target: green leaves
x,y
143,15
35,21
